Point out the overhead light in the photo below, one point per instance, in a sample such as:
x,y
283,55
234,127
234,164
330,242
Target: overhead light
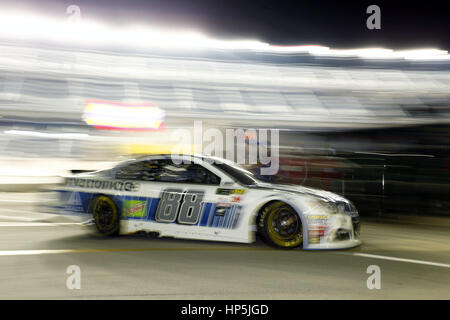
x,y
123,116
25,26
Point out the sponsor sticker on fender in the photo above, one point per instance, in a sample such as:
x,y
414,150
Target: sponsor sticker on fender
x,y
318,219
317,228
134,208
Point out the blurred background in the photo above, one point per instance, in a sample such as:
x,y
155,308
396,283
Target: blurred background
x,y
371,124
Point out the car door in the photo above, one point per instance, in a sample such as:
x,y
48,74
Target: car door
x,y
140,204
189,196
179,195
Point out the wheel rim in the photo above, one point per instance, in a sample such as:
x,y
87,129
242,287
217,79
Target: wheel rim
x,y
105,214
284,227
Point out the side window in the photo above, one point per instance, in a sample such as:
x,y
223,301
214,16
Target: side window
x,y
186,173
143,171
167,171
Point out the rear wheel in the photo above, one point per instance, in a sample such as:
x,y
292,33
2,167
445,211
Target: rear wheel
x,y
106,215
280,226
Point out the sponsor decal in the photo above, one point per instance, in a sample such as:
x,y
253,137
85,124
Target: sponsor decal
x,y
221,208
134,208
102,184
223,205
223,191
316,233
235,199
317,228
229,191
318,220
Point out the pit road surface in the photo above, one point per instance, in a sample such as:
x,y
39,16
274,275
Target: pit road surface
x,y
35,254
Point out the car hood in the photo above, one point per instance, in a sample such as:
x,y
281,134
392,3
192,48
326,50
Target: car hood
x,y
321,194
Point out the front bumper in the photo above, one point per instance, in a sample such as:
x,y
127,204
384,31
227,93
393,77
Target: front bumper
x,y
338,231
334,245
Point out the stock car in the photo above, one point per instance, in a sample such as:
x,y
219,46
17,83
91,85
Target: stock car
x,y
207,198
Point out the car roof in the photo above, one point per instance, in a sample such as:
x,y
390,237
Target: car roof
x,y
167,155
164,156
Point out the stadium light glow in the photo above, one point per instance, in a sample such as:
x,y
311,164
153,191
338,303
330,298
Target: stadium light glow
x,y
47,135
24,26
120,116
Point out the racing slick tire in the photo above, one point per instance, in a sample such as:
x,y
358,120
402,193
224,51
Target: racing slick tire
x,y
280,226
106,215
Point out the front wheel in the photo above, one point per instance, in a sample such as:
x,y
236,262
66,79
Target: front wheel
x,y
106,215
280,226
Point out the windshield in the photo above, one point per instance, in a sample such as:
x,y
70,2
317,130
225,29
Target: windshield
x,y
238,173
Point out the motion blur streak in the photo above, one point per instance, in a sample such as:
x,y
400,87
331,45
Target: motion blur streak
x,y
48,83
369,123
402,260
120,116
39,252
28,26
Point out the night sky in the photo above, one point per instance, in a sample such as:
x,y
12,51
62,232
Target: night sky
x,y
337,24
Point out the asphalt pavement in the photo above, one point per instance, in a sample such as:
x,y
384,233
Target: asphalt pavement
x,y
36,250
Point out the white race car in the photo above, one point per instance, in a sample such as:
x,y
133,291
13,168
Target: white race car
x,y
208,198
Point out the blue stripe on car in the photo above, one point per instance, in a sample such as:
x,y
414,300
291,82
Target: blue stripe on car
x,y
78,203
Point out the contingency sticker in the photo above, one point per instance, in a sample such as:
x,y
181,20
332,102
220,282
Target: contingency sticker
x,y
223,191
317,228
318,220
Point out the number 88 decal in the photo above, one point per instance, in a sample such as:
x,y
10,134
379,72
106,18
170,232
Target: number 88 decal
x,y
176,203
